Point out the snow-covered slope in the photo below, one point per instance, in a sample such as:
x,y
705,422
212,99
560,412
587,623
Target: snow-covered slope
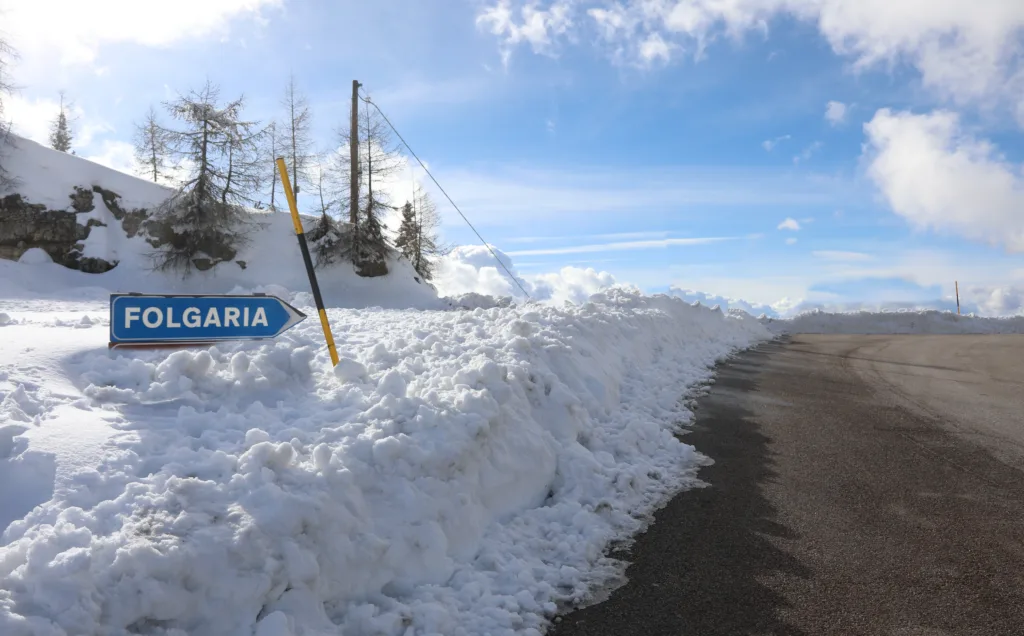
x,y
460,472
47,177
895,322
271,259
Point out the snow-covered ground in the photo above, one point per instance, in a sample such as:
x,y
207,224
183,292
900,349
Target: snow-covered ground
x,y
460,472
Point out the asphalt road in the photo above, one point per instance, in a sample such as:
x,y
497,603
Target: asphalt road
x,y
862,485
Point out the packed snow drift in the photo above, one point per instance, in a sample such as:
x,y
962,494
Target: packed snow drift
x,y
459,472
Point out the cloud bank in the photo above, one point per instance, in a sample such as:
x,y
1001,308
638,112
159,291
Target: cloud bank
x,y
471,269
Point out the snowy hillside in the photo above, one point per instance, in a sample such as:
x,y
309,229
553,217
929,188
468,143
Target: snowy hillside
x,y
460,472
895,322
272,258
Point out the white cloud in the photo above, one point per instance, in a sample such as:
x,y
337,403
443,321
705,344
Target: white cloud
x,y
936,175
966,51
538,27
118,155
623,245
769,144
835,112
511,196
31,118
841,256
654,48
791,241
622,236
473,269
807,152
789,224
570,284
993,301
75,32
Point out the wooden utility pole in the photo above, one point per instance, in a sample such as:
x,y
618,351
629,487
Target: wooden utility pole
x,y
957,284
353,152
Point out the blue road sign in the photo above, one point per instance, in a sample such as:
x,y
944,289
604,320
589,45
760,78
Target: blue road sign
x,y
160,319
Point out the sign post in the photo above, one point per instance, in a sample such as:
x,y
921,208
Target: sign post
x,y
155,320
282,169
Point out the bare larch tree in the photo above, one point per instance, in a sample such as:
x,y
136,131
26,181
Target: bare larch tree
x,y
365,245
205,216
151,149
298,137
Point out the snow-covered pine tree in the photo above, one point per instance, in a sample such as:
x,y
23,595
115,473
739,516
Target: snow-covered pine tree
x,y
424,246
204,220
298,137
405,242
6,54
60,130
151,149
379,160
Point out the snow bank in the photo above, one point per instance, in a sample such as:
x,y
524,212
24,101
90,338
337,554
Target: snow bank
x,y
458,473
901,322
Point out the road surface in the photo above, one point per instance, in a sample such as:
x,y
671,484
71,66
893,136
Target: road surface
x,y
862,485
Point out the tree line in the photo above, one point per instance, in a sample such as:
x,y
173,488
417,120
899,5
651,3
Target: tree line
x,y
220,164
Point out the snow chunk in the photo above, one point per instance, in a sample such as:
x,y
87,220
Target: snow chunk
x,y
35,256
349,370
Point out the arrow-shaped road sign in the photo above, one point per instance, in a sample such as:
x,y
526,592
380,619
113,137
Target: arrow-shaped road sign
x,y
142,319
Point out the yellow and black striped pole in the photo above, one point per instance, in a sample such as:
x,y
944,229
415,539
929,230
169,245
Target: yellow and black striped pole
x,y
282,170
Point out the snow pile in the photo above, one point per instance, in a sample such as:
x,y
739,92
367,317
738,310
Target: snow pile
x,y
899,322
271,258
458,473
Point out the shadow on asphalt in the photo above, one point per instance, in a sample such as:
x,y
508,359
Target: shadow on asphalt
x,y
699,568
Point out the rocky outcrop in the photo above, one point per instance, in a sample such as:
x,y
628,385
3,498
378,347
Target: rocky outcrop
x,y
61,233
24,225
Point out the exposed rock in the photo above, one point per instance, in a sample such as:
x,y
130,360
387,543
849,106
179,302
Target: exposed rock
x,y
81,200
95,265
24,225
203,264
61,233
372,269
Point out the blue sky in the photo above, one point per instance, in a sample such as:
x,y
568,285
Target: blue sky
x,y
665,151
